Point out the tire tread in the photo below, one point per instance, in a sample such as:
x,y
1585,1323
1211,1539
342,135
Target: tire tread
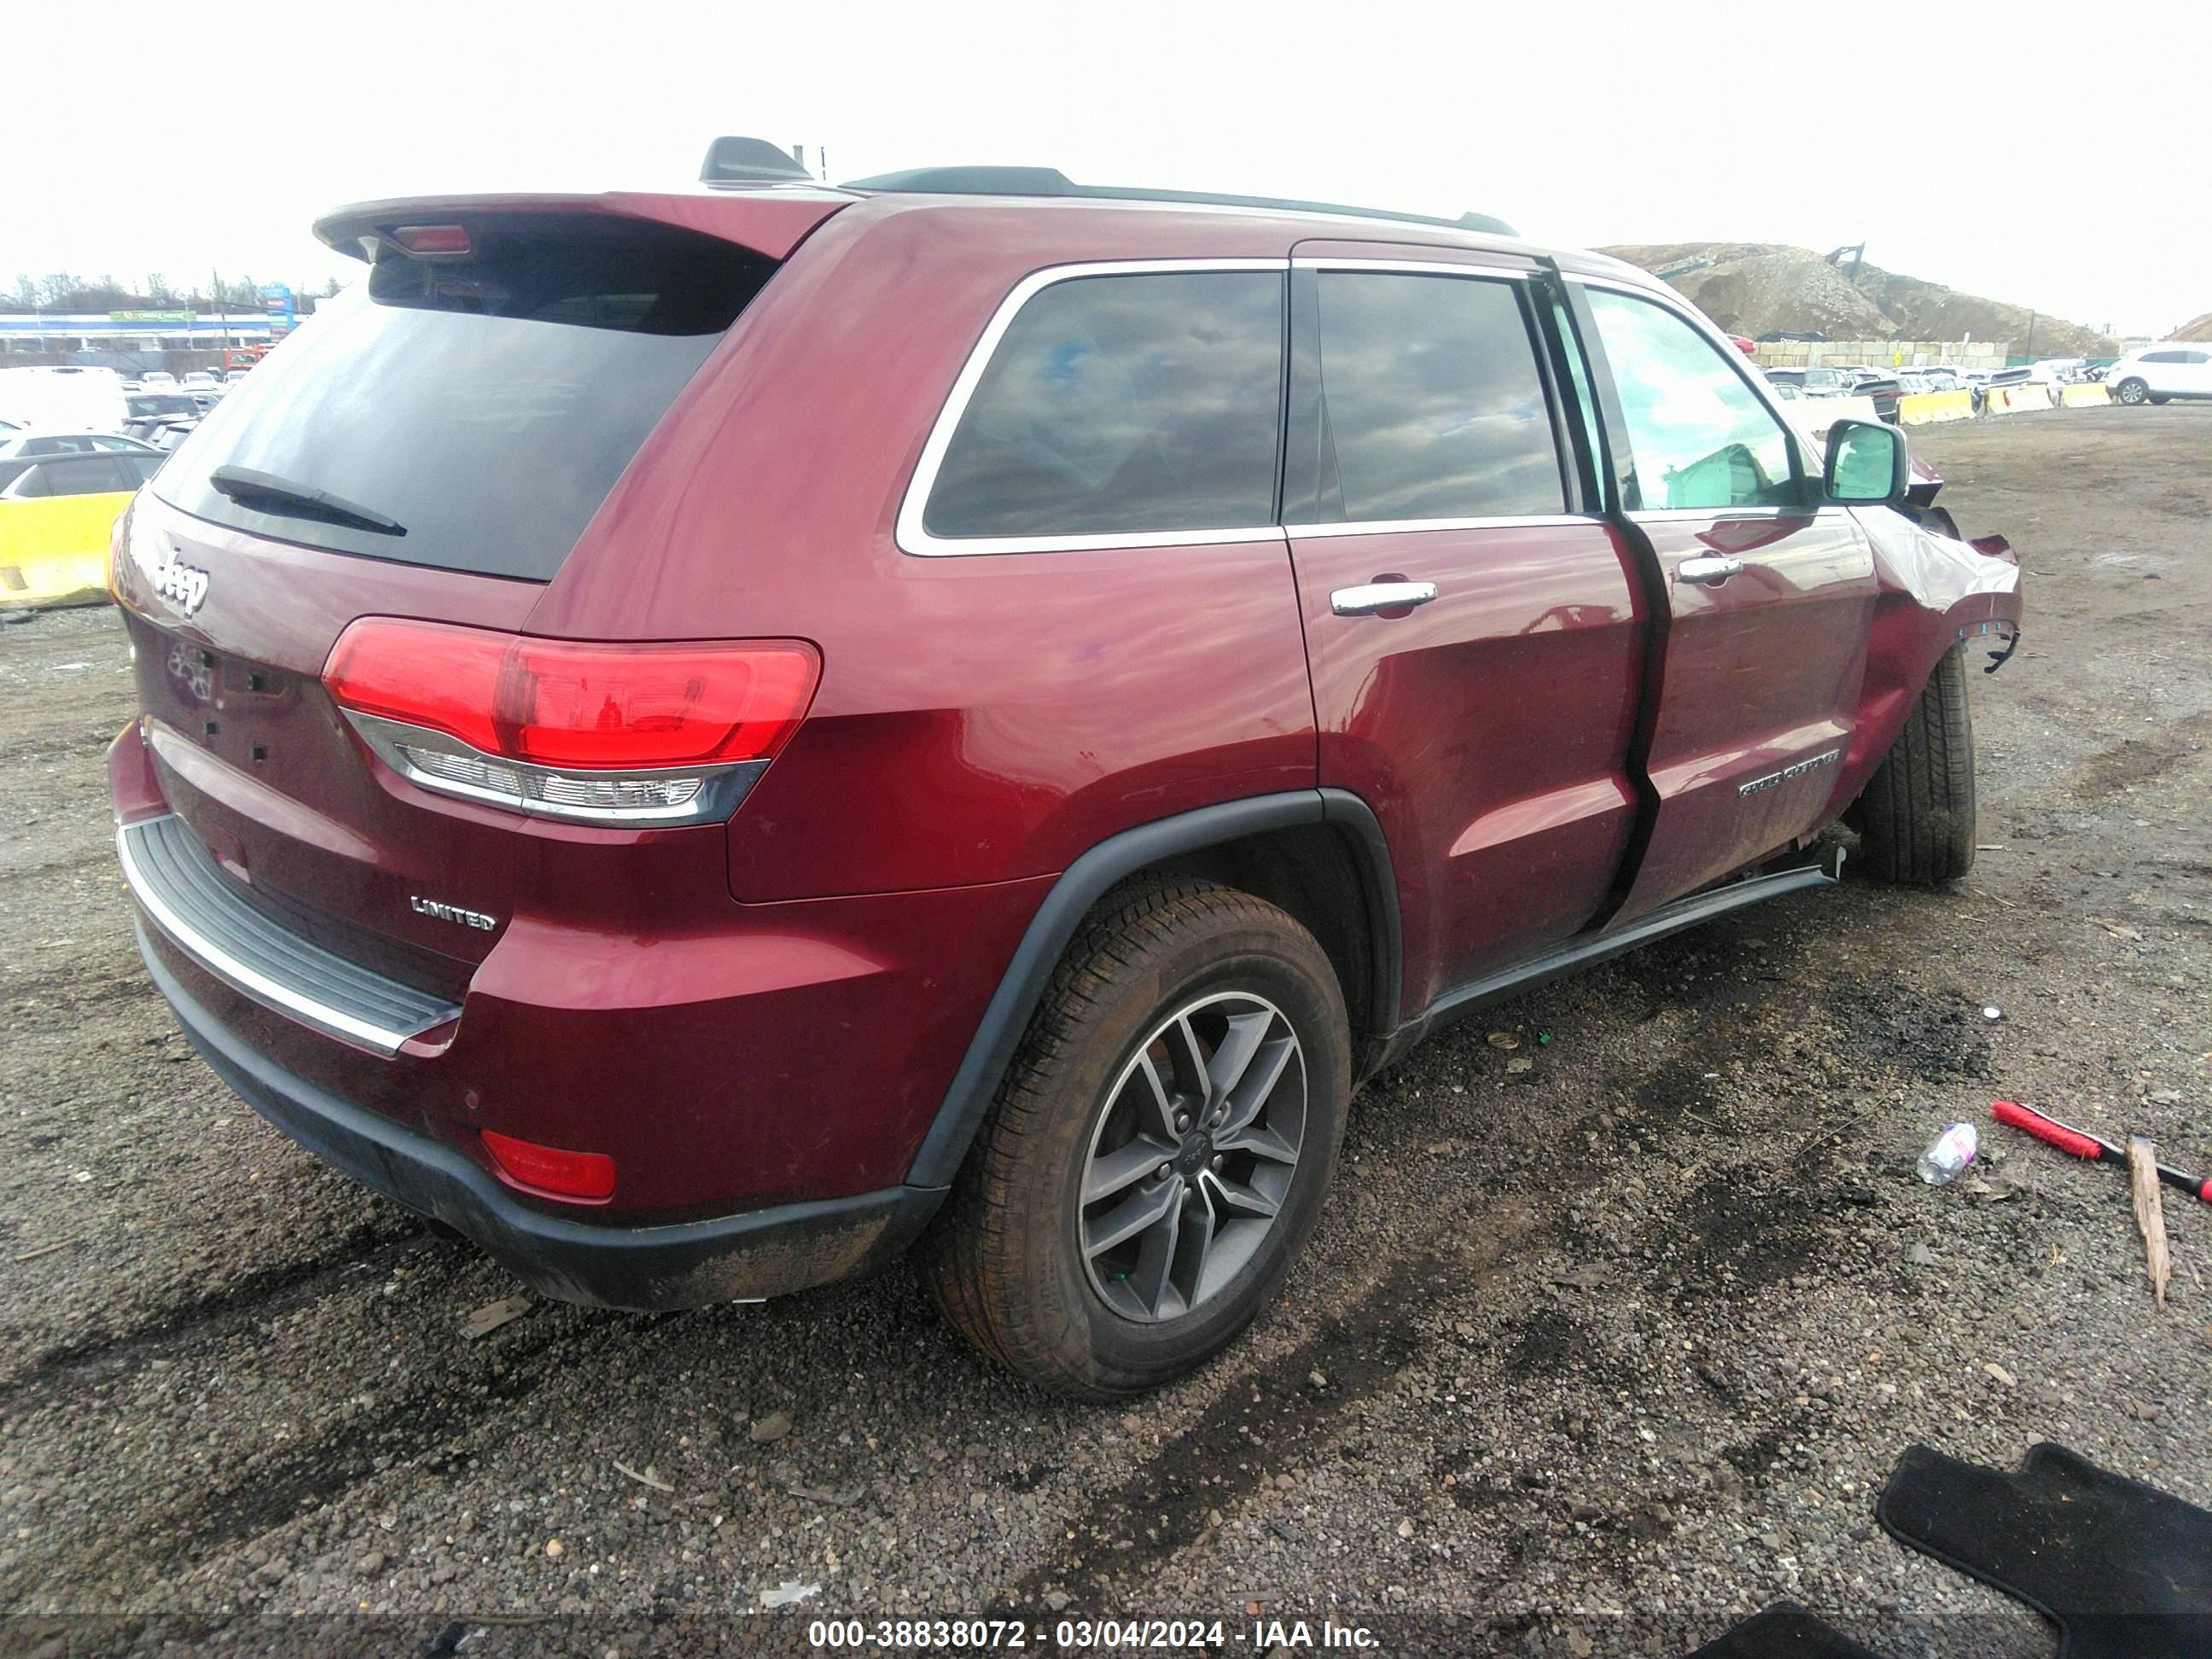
x,y
1918,808
972,1252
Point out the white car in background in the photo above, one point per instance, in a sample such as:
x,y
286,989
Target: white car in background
x,y
63,399
2151,375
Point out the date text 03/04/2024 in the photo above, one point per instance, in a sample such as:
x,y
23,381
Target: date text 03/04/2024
x,y
1168,1635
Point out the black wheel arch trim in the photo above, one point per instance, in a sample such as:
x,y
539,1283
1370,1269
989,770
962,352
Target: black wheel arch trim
x,y
1085,881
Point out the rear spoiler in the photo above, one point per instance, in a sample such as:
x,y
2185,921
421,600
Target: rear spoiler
x,y
771,221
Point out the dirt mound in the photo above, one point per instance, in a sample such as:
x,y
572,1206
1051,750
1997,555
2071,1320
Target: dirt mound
x,y
1753,288
1759,287
2198,328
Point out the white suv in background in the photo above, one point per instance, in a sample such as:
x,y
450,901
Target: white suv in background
x,y
2154,373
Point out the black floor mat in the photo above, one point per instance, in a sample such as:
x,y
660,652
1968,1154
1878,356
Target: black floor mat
x,y
2124,1569
1784,1631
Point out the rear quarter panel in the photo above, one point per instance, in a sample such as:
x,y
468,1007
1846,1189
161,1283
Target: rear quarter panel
x,y
980,719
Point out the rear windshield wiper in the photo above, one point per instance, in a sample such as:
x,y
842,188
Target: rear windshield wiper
x,y
267,493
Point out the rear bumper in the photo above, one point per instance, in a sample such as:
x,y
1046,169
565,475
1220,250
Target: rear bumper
x,y
746,1256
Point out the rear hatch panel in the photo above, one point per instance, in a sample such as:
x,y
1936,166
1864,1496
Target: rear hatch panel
x,y
483,403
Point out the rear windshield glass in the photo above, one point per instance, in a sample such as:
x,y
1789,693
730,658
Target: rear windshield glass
x,y
469,413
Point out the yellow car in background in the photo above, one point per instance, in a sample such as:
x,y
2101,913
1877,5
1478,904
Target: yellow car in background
x,y
56,514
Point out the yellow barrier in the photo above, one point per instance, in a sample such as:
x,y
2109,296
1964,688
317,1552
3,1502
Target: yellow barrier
x,y
53,549
2031,394
1919,408
2088,395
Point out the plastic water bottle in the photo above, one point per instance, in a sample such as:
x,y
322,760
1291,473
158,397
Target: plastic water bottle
x,y
1948,1153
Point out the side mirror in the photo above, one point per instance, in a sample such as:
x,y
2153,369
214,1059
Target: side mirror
x,y
1866,464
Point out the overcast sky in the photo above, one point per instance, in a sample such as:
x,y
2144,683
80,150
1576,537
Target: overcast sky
x,y
2056,158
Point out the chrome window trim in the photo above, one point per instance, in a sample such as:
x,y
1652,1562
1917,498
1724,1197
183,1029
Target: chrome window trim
x,y
1415,267
1413,527
909,532
250,980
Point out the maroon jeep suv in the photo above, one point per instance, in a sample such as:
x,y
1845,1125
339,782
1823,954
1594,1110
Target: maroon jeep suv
x,y
700,739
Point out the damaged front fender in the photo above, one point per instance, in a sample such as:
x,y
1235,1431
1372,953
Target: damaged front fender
x,y
1935,592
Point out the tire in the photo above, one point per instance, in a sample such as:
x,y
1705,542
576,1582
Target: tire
x,y
1916,816
2131,391
2159,398
1015,1260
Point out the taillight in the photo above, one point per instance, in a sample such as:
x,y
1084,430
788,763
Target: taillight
x,y
589,1177
622,733
118,540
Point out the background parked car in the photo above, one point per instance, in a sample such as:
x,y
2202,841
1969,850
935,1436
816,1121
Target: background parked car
x,y
162,418
2154,374
1813,382
24,445
1879,384
55,515
59,397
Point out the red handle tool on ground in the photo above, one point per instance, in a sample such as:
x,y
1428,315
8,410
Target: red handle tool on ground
x,y
2068,1139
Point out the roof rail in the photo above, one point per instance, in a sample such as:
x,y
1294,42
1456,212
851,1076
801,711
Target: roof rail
x,y
1051,181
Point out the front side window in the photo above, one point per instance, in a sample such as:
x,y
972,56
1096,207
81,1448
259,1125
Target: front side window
x,y
1433,406
1123,404
1699,437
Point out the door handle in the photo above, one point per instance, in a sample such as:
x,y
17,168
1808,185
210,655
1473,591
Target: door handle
x,y
1372,598
1708,568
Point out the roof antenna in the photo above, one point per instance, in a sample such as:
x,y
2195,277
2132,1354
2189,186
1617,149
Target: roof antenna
x,y
736,160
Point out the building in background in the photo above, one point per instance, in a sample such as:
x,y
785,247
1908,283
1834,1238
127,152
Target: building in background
x,y
176,340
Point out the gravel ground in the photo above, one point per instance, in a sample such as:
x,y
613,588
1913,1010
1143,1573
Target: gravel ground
x,y
1598,1356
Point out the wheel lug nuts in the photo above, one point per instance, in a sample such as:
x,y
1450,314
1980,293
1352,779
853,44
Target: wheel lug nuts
x,y
1182,1122
1166,1170
1218,1162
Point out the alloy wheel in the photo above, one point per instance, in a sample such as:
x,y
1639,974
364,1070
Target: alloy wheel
x,y
1193,1156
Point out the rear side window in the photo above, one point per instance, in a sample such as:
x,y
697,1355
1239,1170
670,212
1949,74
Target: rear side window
x,y
1123,405
1699,437
1432,402
86,475
483,406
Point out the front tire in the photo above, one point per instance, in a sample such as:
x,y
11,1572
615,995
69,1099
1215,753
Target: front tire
x,y
1160,1149
2132,392
1916,816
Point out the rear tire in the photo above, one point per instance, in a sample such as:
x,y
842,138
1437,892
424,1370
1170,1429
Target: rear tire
x,y
1916,816
1173,983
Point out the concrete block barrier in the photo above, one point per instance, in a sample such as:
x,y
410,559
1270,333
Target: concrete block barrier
x,y
44,578
53,549
2088,395
1817,415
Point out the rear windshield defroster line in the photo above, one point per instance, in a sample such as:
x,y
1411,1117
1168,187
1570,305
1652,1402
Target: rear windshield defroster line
x,y
470,414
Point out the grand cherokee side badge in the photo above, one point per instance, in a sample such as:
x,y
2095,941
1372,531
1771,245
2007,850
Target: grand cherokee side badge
x,y
433,908
1826,757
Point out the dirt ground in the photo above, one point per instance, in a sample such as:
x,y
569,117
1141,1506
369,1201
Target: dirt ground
x,y
1598,1357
